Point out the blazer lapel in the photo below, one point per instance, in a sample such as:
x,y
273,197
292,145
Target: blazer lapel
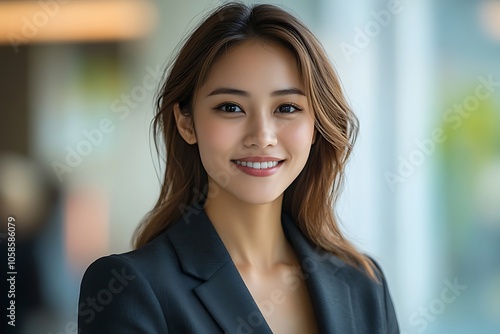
x,y
231,304
330,295
224,294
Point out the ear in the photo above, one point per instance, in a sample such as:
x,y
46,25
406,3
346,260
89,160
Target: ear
x,y
185,125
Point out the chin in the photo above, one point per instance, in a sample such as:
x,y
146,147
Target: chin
x,y
250,193
257,200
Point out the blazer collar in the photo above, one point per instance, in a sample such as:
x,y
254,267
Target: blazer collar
x,y
202,254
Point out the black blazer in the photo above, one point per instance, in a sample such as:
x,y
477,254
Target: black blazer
x,y
184,281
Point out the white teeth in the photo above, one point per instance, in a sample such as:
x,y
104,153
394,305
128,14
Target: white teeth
x,y
257,165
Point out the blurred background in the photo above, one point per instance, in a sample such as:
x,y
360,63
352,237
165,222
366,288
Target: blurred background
x,y
78,170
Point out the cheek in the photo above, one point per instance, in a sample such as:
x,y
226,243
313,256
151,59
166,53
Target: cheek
x,y
299,135
215,137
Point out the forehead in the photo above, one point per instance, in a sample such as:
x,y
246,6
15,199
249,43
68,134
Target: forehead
x,y
255,65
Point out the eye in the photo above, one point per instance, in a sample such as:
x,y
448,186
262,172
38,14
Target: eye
x,y
229,108
288,108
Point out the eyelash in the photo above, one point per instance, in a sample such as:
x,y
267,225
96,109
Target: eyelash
x,y
226,104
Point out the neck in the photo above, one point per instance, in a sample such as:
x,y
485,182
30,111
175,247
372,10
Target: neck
x,y
252,233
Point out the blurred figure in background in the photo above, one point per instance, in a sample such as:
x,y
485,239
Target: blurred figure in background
x,y
29,195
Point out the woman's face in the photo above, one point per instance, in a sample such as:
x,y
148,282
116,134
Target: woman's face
x,y
252,107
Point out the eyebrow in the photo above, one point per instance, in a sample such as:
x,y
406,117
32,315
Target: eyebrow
x,y
233,91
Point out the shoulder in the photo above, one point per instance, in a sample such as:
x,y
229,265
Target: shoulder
x,y
358,279
372,296
148,257
145,261
112,287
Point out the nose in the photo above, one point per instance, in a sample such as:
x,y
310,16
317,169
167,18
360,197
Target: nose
x,y
260,132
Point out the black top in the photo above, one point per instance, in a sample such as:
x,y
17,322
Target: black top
x,y
184,281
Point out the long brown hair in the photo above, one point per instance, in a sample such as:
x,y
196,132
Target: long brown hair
x,y
309,200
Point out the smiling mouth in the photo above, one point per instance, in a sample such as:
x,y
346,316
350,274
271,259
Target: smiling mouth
x,y
258,165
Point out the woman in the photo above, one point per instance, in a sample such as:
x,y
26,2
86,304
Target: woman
x,y
243,238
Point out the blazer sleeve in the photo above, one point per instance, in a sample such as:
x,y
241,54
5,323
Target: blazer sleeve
x,y
116,298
